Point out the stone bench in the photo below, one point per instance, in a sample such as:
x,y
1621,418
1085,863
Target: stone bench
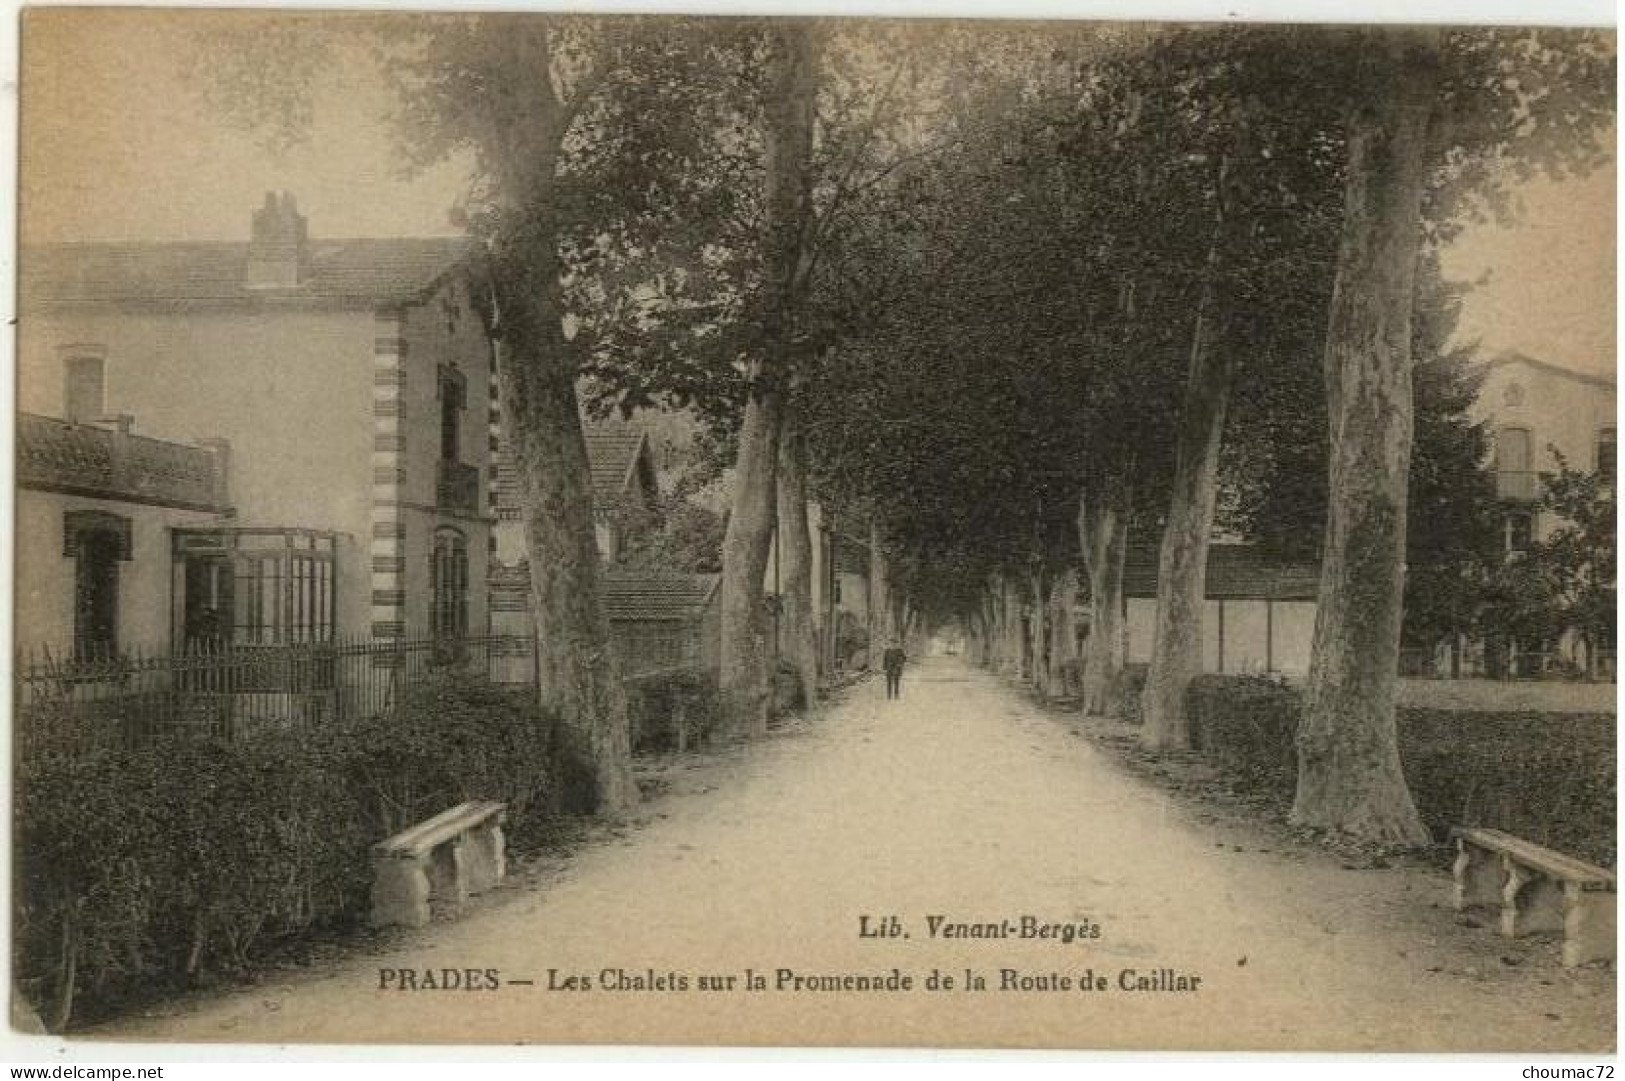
x,y
1537,889
446,858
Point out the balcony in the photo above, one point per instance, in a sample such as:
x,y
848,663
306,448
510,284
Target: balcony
x,y
1517,485
457,488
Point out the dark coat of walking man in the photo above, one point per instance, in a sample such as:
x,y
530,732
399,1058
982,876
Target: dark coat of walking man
x,y
892,661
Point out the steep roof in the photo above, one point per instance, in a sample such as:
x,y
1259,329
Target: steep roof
x,y
1234,572
615,452
613,448
643,595
1514,357
363,273
75,459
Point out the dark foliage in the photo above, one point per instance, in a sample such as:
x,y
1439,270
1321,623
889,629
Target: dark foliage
x,y
660,705
184,859
1548,777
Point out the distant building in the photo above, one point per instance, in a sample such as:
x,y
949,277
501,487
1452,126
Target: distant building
x,y
1531,408
663,620
1259,616
1528,407
350,377
623,479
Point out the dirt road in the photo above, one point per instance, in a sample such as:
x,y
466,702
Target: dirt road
x,y
959,805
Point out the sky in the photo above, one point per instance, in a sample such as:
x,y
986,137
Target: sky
x,y
116,143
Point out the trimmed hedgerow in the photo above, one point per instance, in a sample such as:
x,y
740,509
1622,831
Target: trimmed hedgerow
x,y
1549,777
151,868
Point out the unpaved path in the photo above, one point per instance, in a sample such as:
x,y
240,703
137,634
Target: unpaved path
x,y
962,801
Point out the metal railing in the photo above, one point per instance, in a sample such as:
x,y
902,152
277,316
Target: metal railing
x,y
234,691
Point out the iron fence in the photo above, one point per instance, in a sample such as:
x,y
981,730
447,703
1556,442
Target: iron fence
x,y
234,691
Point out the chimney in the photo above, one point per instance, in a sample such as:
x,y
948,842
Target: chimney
x,y
277,254
221,449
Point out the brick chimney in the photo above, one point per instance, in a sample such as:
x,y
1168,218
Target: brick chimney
x,y
221,449
278,256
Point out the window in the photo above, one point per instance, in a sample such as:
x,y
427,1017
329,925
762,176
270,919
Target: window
x,y
1520,531
255,587
83,388
1607,454
97,542
1514,465
448,585
453,392
1512,450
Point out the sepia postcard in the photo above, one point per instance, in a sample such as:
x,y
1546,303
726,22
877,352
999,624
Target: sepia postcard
x,y
577,529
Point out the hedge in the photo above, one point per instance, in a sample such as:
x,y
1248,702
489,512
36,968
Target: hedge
x,y
656,703
154,868
1549,777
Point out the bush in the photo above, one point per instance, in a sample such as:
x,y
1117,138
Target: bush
x,y
1549,777
152,867
454,738
656,704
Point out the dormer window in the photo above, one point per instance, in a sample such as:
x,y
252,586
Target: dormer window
x,y
83,385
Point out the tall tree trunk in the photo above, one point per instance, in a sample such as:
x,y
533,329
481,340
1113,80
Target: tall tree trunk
x,y
1011,618
795,552
787,137
577,677
1349,774
1103,531
880,621
990,624
1176,644
744,678
1063,637
1036,633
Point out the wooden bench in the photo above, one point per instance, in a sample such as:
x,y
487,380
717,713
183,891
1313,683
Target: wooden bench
x,y
445,858
1537,889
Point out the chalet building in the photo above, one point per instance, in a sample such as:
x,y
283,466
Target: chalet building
x,y
98,511
350,378
623,485
1259,616
1529,407
663,620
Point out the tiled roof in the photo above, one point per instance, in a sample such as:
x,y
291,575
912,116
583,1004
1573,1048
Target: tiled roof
x,y
347,273
656,595
612,448
53,455
1234,572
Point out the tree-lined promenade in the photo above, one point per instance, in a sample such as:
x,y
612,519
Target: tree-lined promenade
x,y
1016,295
767,858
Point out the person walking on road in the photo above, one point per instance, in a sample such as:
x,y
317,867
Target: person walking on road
x,y
892,661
